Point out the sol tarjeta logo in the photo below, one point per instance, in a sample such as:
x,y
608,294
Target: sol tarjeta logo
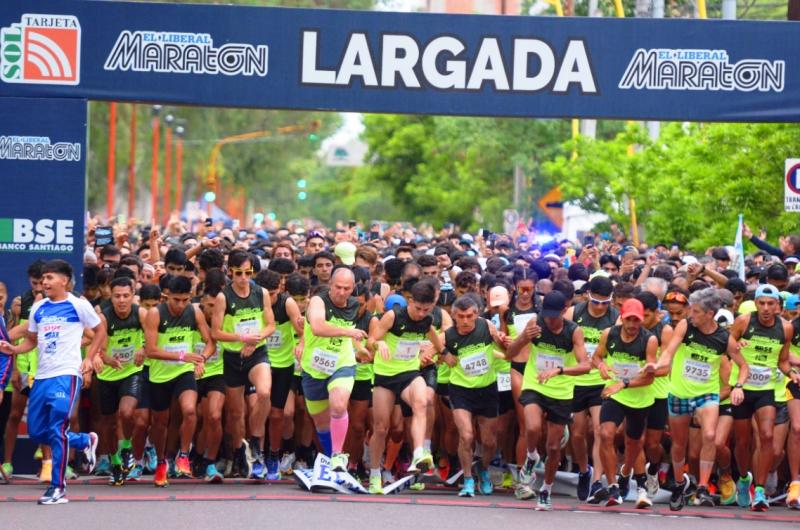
x,y
41,49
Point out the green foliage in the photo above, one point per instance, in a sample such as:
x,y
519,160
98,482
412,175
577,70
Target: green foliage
x,y
689,185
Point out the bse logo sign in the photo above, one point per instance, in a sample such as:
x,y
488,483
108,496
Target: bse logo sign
x,y
41,49
37,235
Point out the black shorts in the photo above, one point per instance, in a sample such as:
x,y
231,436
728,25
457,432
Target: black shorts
x,y
237,368
478,401
557,411
518,366
281,385
144,399
781,413
586,397
396,383
658,414
794,390
616,412
362,391
215,383
249,389
726,409
111,392
162,394
297,384
506,402
430,374
753,400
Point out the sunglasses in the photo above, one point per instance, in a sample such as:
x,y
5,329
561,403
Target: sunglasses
x,y
599,302
677,297
299,299
525,289
242,272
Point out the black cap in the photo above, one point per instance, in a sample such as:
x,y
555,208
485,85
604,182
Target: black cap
x,y
601,285
553,304
721,254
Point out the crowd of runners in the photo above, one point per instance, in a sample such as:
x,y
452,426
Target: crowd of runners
x,y
500,359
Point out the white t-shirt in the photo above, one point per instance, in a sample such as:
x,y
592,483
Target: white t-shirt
x,y
59,327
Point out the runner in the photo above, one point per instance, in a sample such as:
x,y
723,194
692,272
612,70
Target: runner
x,y
695,354
169,333
329,363
763,339
793,444
622,353
557,355
119,373
469,352
243,320
396,341
56,326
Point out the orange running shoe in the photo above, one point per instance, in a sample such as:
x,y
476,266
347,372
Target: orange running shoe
x,y
183,468
160,480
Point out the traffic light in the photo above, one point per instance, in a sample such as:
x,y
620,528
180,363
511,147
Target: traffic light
x,y
313,136
302,183
302,195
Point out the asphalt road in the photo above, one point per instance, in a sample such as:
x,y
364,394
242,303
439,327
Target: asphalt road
x,y
241,504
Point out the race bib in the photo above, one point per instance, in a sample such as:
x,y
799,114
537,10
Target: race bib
x,y
200,347
503,381
324,361
474,365
520,321
590,348
759,376
275,341
176,348
696,371
407,350
625,370
248,327
124,354
545,362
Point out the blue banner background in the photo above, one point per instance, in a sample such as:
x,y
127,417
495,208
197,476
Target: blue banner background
x,y
610,44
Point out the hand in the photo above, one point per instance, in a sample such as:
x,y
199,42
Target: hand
x,y
87,381
737,396
383,350
426,355
612,389
450,360
87,366
746,232
154,235
210,243
250,340
603,369
138,358
357,334
547,374
363,355
6,347
194,358
298,352
742,343
532,330
199,369
795,377
506,340
649,368
762,234
652,259
247,351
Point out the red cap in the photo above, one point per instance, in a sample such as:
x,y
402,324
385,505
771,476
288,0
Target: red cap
x,y
632,308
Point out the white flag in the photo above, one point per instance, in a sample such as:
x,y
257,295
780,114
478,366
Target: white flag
x,y
738,260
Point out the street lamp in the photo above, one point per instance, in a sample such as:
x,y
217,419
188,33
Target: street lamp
x,y
168,120
154,163
179,133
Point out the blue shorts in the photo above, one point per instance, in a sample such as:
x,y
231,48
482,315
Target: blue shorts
x,y
688,406
6,364
317,389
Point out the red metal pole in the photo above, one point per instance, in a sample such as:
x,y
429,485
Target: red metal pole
x,y
154,170
132,164
179,173
112,162
167,173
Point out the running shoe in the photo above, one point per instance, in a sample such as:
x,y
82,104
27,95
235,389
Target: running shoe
x,y
8,469
259,468
135,474
678,498
760,502
584,483
703,497
339,462
652,485
375,486
468,490
743,497
527,473
103,467
615,497
286,463
212,475
524,492
421,464
183,468
160,478
597,494
46,472
508,480
771,485
642,499
792,496
53,495
150,459
90,453
126,455
624,481
544,504
273,471
727,489
486,485
71,475
243,463
117,477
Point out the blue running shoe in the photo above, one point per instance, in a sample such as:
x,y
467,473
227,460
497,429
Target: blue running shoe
x,y
103,468
584,483
760,502
135,473
485,482
212,475
150,459
743,497
469,488
273,471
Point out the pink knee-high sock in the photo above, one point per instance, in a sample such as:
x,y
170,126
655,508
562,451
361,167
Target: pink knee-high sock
x,y
339,431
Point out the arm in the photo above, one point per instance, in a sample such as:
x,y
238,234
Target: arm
x,y
217,318
784,361
667,353
642,379
205,334
498,339
531,332
666,335
737,394
719,279
29,343
320,327
375,342
766,247
724,376
579,348
269,318
293,312
598,359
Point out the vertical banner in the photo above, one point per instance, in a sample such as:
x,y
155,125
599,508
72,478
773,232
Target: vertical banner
x,y
43,172
791,195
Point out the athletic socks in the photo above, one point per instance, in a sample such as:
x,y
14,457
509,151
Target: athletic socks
x,y
339,431
418,452
325,442
287,445
640,480
426,444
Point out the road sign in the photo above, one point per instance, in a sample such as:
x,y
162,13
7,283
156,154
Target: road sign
x,y
551,204
791,197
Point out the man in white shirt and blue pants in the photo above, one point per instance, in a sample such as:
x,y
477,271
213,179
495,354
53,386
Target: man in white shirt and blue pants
x,y
56,326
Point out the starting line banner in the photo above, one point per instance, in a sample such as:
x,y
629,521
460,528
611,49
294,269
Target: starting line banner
x,y
401,62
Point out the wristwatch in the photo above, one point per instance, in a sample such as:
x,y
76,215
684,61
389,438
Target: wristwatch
x,y
626,382
560,370
738,385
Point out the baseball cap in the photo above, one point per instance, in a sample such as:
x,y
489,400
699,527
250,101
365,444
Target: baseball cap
x,y
724,318
720,253
498,295
632,308
793,302
770,291
553,304
346,251
792,259
394,301
748,306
